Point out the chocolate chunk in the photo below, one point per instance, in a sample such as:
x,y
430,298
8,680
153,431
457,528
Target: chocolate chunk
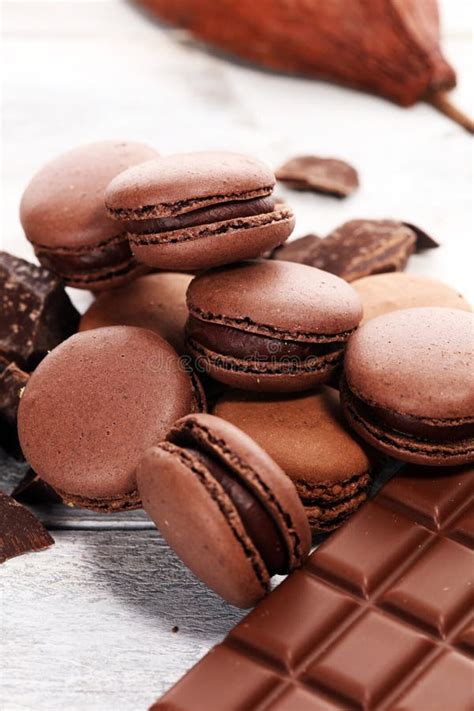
x,y
36,314
299,250
358,248
20,530
322,175
423,239
33,490
378,617
12,382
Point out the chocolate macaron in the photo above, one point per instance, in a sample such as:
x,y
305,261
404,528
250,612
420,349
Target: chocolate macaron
x,y
307,436
64,217
270,326
382,293
193,211
224,506
154,301
408,387
94,405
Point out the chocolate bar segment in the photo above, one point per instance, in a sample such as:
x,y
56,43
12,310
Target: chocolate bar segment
x,y
378,619
216,682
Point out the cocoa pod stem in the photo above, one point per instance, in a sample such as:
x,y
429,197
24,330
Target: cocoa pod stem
x,y
442,101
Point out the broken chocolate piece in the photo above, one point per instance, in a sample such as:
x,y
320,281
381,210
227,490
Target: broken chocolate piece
x,y
36,314
356,249
423,239
299,250
20,530
31,489
362,247
322,175
12,382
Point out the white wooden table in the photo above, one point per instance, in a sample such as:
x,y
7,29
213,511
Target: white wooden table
x,y
88,624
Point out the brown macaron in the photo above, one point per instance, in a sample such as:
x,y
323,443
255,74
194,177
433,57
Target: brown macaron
x,y
64,217
225,507
408,386
382,293
154,301
307,436
194,211
94,405
270,325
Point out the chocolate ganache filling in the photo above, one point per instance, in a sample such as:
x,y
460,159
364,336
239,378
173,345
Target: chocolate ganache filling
x,y
234,342
422,428
258,523
109,254
207,215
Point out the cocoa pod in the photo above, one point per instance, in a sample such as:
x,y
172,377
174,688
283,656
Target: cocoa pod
x,y
388,47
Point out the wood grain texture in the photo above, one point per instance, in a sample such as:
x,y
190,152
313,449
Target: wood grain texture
x,y
86,625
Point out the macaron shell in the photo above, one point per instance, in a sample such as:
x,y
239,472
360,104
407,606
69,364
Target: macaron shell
x,y
216,244
190,179
305,434
103,279
383,293
110,504
207,535
257,470
417,362
95,404
329,518
154,301
276,298
240,376
63,205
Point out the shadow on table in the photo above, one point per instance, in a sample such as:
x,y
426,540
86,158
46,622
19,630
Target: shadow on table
x,y
142,571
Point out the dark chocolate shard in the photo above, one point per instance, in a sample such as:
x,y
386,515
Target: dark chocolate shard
x,y
357,249
12,382
9,440
31,489
36,314
20,531
322,175
423,239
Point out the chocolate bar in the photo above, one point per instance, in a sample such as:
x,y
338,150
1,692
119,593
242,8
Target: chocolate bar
x,y
379,618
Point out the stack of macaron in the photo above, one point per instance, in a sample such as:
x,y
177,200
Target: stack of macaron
x,y
114,417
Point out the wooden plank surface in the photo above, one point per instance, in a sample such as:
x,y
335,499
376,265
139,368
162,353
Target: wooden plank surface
x,y
87,624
